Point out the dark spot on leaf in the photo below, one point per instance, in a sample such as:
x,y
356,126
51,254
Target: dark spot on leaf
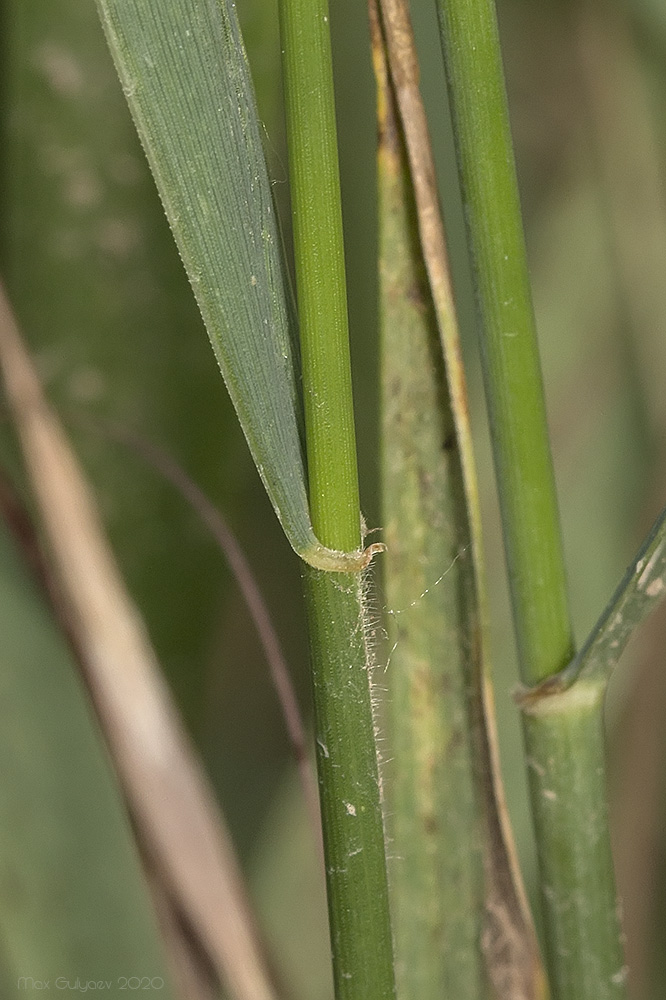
x,y
449,441
430,824
416,296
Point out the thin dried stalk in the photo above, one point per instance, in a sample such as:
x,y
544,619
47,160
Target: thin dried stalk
x,y
173,806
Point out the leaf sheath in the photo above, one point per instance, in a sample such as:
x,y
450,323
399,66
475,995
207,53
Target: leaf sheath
x,y
461,918
349,788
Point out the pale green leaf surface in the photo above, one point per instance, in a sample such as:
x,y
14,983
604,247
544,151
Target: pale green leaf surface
x,y
186,78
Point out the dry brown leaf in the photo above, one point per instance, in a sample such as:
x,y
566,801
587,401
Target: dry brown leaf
x,y
179,822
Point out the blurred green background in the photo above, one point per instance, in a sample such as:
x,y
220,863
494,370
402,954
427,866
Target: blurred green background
x,y
97,284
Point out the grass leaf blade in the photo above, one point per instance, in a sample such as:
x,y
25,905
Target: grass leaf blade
x,y
186,77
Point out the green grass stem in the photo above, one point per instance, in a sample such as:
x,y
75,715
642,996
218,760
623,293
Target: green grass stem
x,y
510,355
563,732
320,272
354,852
352,823
564,738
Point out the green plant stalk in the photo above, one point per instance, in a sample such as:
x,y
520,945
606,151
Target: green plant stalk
x,y
347,764
356,877
509,346
320,272
564,737
564,744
